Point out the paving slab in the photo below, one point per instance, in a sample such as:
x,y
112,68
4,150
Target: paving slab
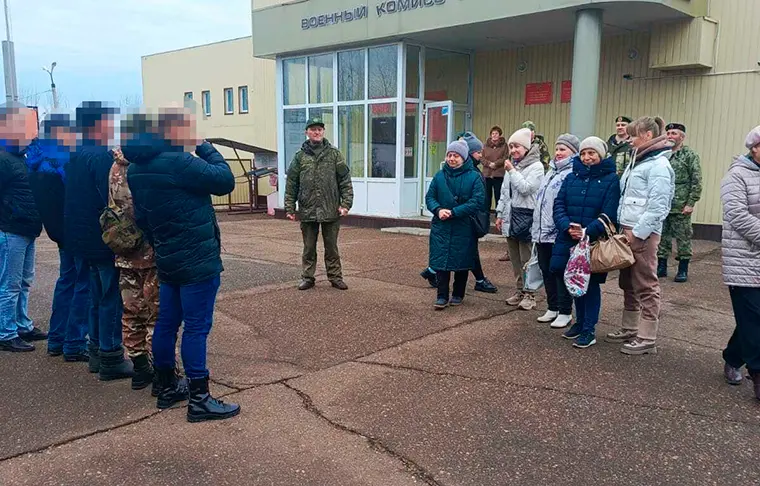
x,y
276,441
463,431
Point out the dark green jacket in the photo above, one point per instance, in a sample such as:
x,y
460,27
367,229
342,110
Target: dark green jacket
x,y
688,169
621,154
321,184
545,155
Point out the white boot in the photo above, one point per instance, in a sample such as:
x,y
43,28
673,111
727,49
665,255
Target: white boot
x,y
562,321
548,317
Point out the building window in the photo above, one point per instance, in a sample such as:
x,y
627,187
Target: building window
x,y
229,102
294,123
188,95
206,101
294,81
382,139
243,99
321,78
383,72
351,137
351,75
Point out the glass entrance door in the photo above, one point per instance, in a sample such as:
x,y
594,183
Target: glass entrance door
x,y
439,132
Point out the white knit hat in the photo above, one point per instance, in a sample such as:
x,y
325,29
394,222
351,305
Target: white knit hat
x,y
596,144
521,137
753,138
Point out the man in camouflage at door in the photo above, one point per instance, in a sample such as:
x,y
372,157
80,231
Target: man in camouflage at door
x,y
138,282
688,171
539,140
620,144
319,180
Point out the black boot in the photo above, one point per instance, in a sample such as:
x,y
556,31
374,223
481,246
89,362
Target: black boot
x,y
171,389
93,365
143,372
683,271
662,267
431,277
205,407
113,366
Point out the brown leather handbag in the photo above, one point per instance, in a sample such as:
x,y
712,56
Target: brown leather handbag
x,y
611,252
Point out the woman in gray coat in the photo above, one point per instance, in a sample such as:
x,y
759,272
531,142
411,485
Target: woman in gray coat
x,y
740,194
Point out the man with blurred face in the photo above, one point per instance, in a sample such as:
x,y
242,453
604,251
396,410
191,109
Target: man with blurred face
x,y
86,197
20,225
319,180
688,170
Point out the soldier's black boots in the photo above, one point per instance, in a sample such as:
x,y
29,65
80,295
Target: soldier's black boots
x,y
662,267
171,389
143,372
204,407
683,271
113,366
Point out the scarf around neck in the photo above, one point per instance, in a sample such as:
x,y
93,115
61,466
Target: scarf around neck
x,y
653,145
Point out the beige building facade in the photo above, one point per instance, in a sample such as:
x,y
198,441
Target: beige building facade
x,y
395,80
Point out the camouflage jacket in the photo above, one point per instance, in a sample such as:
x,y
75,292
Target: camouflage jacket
x,y
320,182
118,191
688,170
545,155
621,154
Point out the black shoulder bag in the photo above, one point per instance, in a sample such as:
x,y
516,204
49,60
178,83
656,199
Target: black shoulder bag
x,y
479,222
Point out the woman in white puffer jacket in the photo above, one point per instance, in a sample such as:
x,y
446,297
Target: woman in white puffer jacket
x,y
647,188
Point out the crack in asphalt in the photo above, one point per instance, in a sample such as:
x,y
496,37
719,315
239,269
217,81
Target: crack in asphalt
x,y
70,440
374,443
493,381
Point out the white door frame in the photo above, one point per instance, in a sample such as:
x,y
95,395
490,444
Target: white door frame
x,y
448,112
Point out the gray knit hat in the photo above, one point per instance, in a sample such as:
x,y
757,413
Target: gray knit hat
x,y
594,143
570,141
753,138
459,147
473,143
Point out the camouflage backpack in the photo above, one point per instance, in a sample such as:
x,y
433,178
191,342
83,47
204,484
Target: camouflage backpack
x,y
120,232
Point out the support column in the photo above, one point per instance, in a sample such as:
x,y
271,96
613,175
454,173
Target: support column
x,y
587,53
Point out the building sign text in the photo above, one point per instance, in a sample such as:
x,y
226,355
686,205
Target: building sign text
x,y
383,8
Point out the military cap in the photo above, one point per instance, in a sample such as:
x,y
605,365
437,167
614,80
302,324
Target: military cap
x,y
529,125
676,126
622,119
315,122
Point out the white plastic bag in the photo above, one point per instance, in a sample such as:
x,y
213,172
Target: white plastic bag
x,y
578,270
533,279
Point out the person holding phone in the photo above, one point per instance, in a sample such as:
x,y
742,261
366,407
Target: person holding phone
x,y
590,192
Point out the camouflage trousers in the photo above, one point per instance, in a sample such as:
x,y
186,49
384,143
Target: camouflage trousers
x,y
139,291
310,232
678,227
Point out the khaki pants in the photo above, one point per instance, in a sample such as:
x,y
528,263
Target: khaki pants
x,y
330,232
640,285
519,254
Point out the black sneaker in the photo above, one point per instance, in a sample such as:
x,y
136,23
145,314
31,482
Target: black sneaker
x,y
34,335
80,357
455,301
55,352
485,286
16,345
431,277
441,304
573,332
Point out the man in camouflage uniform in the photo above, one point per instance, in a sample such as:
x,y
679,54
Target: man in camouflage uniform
x,y
620,144
539,140
688,171
319,180
138,282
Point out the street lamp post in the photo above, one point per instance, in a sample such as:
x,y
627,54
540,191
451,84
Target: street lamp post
x,y
52,84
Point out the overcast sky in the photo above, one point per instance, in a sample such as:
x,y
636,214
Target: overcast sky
x,y
98,43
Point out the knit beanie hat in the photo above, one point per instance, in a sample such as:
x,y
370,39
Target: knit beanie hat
x,y
594,143
459,147
753,138
473,144
570,141
521,137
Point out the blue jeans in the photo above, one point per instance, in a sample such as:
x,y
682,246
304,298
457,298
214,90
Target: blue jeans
x,y
71,298
16,276
193,304
106,307
587,308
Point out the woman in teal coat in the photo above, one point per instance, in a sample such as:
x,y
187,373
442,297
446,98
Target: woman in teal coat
x,y
456,193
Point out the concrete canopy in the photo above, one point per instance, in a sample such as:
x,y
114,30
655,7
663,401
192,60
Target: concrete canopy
x,y
476,25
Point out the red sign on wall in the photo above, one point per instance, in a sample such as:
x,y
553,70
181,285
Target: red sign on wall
x,y
539,93
567,91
